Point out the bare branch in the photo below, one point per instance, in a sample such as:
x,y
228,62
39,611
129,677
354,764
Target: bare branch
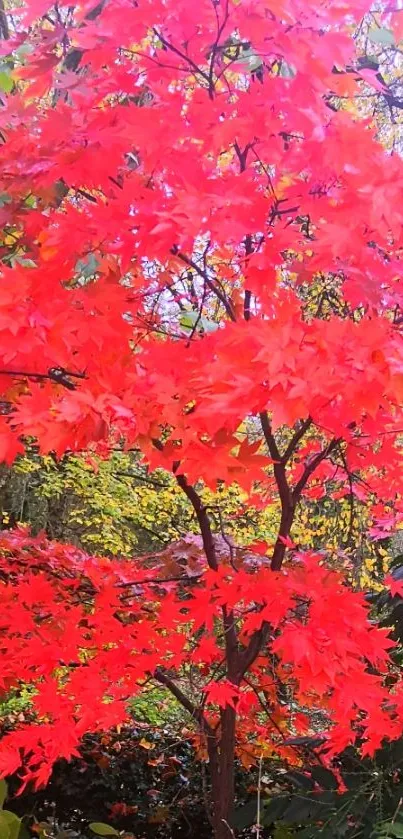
x,y
4,28
184,700
296,438
56,374
209,283
155,581
182,55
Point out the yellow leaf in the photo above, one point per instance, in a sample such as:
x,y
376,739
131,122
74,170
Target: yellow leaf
x,y
145,744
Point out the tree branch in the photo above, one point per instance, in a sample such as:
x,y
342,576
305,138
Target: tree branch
x,y
184,700
231,639
209,283
289,499
248,293
55,374
182,55
251,652
278,464
4,29
312,465
202,518
296,438
348,542
284,491
155,581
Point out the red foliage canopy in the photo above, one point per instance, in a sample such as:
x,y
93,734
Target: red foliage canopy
x,y
86,639
198,231
162,165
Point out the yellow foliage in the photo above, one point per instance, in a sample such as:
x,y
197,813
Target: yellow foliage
x,y
117,508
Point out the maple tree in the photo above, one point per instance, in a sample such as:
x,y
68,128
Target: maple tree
x,y
201,253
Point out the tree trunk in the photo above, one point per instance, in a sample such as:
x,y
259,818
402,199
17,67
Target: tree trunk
x,y
222,764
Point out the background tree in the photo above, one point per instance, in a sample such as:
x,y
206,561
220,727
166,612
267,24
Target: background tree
x,y
112,505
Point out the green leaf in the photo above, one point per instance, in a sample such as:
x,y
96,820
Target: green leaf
x,y
30,201
300,779
21,260
395,829
3,791
6,82
249,60
286,71
274,809
246,815
102,829
324,777
188,320
283,832
302,810
87,267
299,809
24,49
379,35
254,63
10,825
